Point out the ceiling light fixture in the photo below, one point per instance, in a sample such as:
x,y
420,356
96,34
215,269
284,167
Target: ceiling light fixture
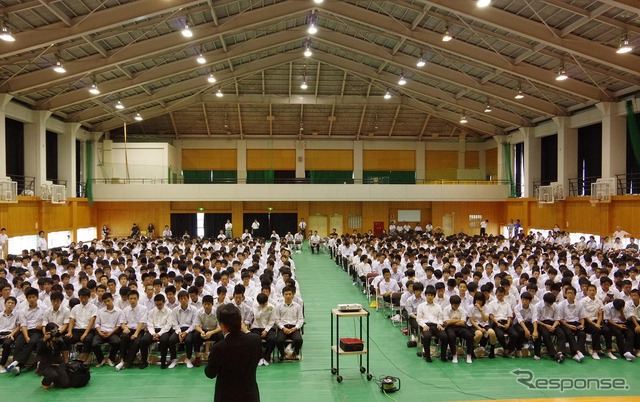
x,y
519,94
303,85
625,46
562,74
59,67
219,93
201,59
483,3
421,62
487,109
447,35
94,89
463,119
119,105
5,34
211,79
307,51
138,117
402,81
387,95
186,32
318,1
313,23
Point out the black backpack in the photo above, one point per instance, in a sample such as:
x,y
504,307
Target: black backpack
x,y
78,373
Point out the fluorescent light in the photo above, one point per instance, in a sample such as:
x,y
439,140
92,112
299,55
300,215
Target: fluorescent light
x,y
94,89
5,35
483,3
138,117
387,95
201,59
211,79
421,62
402,81
463,119
186,32
59,68
562,75
318,1
119,105
447,36
519,95
303,85
308,52
219,94
625,46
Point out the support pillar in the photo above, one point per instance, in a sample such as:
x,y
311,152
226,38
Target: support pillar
x,y
35,148
421,172
4,101
358,156
241,161
614,140
567,151
67,157
532,153
300,163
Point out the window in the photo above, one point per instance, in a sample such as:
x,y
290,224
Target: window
x,y
86,234
19,243
200,224
59,239
355,222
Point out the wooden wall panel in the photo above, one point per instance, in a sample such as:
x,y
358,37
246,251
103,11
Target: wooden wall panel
x,y
278,206
23,218
328,159
493,211
271,159
472,160
209,159
491,160
56,217
193,206
546,216
395,160
441,165
120,216
374,211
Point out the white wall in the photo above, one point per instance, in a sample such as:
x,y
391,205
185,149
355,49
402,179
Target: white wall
x,y
144,160
300,192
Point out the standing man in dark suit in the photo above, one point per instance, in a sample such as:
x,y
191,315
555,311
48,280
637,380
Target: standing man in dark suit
x,y
234,360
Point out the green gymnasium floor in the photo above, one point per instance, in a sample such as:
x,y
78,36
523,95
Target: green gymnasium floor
x,y
323,286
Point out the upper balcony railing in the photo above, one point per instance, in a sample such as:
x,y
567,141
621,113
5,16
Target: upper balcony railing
x,y
377,180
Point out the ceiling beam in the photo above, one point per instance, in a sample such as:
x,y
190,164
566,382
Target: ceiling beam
x,y
393,122
465,51
627,5
57,12
584,20
550,36
87,24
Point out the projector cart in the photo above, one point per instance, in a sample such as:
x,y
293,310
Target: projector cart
x,y
335,341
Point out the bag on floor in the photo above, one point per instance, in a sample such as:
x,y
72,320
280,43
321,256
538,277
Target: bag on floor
x,y
79,374
373,304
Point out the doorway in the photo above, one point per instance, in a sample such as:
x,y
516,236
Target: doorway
x,y
448,224
318,223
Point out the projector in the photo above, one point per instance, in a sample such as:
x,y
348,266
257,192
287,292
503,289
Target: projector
x,y
350,307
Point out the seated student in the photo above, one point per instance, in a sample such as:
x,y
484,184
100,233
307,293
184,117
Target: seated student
x,y
30,319
455,324
440,298
159,329
572,319
501,316
617,323
289,320
429,317
9,328
81,323
108,325
206,327
222,297
133,331
50,351
632,312
524,325
238,300
547,315
387,286
264,325
480,323
412,308
184,319
594,323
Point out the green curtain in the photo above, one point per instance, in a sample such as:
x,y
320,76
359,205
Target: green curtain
x,y
225,176
210,176
389,177
260,176
634,131
197,176
508,169
331,176
89,171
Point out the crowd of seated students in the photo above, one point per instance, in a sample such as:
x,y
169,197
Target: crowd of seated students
x,y
519,293
132,293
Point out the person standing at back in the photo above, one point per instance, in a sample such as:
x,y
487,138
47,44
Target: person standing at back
x,y
234,360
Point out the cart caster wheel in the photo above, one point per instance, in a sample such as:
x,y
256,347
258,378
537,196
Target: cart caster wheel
x,y
333,371
339,379
363,370
369,377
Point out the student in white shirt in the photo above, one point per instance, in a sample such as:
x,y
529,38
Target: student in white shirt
x,y
387,286
133,330
501,316
289,321
455,323
159,329
264,325
478,315
9,328
184,319
42,242
572,319
617,323
430,319
547,316
81,324
108,326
